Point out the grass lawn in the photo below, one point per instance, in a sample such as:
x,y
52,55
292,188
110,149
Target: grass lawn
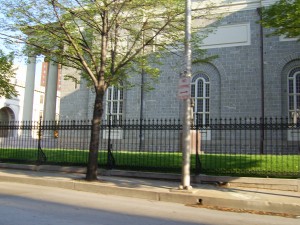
x,y
215,164
251,165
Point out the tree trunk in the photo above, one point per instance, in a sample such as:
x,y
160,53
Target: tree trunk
x,y
92,165
100,87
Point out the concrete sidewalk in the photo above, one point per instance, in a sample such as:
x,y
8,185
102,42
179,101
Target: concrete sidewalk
x,y
208,195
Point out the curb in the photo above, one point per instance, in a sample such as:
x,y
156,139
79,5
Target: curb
x,y
203,197
102,188
252,182
226,181
211,196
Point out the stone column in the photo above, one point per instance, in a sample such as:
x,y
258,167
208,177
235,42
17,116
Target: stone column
x,y
29,90
51,92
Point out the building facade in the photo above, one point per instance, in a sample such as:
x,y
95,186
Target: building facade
x,y
19,108
253,76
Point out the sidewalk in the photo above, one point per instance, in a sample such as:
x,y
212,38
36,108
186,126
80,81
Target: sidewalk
x,y
207,195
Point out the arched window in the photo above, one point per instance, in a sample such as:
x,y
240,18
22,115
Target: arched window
x,y
114,103
294,95
200,98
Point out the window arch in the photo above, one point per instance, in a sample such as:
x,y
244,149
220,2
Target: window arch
x,y
200,89
6,117
114,103
294,95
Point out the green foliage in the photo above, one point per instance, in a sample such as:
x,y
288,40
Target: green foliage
x,y
7,89
104,39
284,17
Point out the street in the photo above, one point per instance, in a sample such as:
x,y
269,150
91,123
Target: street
x,y
22,204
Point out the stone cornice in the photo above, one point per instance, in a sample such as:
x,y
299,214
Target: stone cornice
x,y
223,6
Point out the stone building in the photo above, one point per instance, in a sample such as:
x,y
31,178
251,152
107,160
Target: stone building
x,y
253,76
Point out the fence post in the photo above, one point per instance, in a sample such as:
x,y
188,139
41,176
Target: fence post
x,y
41,156
262,135
110,157
141,136
198,162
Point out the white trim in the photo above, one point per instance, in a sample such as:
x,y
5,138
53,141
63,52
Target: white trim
x,y
114,134
110,99
205,135
284,38
230,6
205,98
295,111
293,134
229,36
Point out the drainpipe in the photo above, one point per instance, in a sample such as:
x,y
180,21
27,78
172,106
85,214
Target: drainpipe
x,y
262,83
141,138
141,110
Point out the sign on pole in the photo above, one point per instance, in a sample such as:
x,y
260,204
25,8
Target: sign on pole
x,y
184,88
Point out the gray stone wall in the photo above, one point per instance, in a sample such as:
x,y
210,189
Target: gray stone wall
x,y
240,71
235,80
74,97
240,75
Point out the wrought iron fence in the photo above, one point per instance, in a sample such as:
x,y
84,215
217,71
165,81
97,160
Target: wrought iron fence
x,y
238,147
250,147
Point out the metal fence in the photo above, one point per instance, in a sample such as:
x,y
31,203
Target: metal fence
x,y
238,147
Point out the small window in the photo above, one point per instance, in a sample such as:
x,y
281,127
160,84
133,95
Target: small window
x,y
294,95
200,93
114,103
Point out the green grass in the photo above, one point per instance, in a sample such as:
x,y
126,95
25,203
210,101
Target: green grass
x,y
215,164
251,165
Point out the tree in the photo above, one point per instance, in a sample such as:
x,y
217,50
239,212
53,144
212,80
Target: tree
x,y
7,89
104,39
284,17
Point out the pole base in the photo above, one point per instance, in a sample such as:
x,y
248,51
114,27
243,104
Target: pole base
x,y
188,188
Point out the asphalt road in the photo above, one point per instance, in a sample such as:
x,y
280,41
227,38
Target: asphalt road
x,y
22,204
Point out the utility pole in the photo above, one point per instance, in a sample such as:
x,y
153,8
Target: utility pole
x,y
186,137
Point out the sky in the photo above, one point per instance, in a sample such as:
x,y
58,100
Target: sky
x,y
20,64
21,68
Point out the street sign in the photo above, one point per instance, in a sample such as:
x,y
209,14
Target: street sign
x,y
184,88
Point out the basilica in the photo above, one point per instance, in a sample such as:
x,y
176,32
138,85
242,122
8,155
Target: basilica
x,y
254,75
